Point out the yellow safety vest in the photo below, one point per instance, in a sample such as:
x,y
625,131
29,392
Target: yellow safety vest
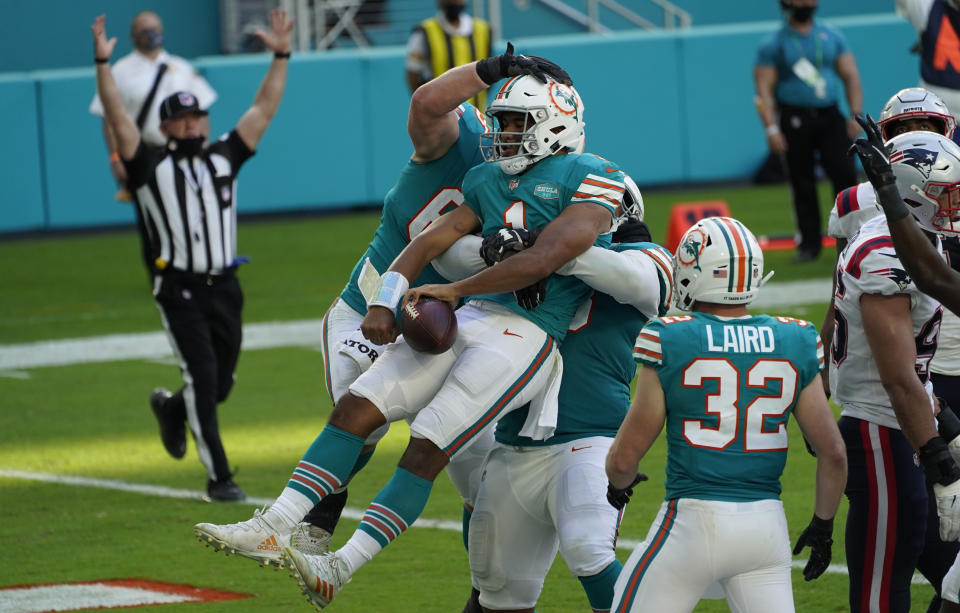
x,y
463,49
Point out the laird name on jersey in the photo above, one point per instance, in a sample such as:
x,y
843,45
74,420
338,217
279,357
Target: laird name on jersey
x,y
740,339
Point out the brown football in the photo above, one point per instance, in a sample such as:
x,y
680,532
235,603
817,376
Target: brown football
x,y
429,326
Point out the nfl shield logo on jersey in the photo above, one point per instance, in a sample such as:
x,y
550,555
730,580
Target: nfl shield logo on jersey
x,y
513,184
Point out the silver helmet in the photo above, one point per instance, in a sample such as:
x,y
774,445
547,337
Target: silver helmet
x,y
916,103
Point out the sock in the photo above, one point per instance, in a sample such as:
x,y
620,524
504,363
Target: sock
x,y
465,530
599,587
323,469
361,462
395,508
326,513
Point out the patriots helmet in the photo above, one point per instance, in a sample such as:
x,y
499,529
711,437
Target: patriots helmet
x,y
927,168
553,121
915,103
719,261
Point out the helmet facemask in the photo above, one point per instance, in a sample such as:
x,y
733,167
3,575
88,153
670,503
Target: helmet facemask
x,y
553,121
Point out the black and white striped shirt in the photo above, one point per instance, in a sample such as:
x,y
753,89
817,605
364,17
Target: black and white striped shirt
x,y
187,205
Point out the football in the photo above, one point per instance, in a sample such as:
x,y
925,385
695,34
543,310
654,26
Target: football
x,y
429,326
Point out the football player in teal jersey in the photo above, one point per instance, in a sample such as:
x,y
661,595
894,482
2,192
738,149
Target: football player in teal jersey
x,y
445,132
725,384
504,355
538,496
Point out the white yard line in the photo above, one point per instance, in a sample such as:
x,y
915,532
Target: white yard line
x,y
304,332
348,512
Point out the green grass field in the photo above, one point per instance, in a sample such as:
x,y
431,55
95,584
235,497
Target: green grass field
x,y
93,420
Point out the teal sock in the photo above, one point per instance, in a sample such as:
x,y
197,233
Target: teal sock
x,y
326,465
396,507
599,587
465,521
361,462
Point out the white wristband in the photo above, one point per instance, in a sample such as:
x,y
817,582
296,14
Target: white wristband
x,y
393,287
773,129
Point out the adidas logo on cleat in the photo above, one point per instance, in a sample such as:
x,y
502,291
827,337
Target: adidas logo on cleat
x,y
269,544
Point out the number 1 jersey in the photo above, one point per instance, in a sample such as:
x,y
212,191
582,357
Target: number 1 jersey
x,y
730,386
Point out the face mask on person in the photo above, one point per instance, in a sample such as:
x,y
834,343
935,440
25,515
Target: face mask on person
x,y
148,40
452,11
185,147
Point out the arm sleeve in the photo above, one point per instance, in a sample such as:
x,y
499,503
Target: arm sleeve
x,y
766,54
140,166
232,147
629,277
461,260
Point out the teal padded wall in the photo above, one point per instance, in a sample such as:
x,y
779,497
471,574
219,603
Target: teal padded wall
x,y
22,203
669,107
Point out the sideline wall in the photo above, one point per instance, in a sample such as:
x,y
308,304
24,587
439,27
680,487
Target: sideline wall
x,y
668,107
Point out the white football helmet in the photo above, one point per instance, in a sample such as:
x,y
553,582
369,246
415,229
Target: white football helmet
x,y
927,168
632,205
912,103
554,121
718,260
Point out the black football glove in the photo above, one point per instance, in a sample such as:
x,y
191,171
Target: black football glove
x,y
874,157
631,230
819,536
506,242
492,69
532,295
619,497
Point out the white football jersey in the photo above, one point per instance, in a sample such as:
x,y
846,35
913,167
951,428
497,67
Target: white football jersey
x,y
869,265
853,207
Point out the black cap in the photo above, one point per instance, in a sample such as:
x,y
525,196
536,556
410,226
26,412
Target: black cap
x,y
179,103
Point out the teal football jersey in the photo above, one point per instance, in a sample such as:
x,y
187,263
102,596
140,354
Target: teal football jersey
x,y
533,199
598,365
730,386
422,193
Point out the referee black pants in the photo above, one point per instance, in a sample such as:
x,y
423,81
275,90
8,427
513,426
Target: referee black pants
x,y
201,314
810,132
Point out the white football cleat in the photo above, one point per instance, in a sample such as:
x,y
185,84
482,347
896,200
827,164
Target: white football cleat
x,y
320,577
310,539
255,539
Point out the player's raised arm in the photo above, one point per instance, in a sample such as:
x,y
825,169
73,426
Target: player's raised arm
x,y
123,127
432,123
820,430
932,275
254,122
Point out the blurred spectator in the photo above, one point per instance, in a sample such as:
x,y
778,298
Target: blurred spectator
x,y
451,32
797,75
145,76
938,24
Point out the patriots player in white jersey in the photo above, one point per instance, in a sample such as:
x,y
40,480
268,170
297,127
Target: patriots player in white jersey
x,y
901,325
918,176
724,383
909,110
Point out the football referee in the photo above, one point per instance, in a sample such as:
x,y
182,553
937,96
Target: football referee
x,y
185,195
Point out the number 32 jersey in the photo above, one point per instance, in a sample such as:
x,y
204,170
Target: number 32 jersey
x,y
730,386
869,265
